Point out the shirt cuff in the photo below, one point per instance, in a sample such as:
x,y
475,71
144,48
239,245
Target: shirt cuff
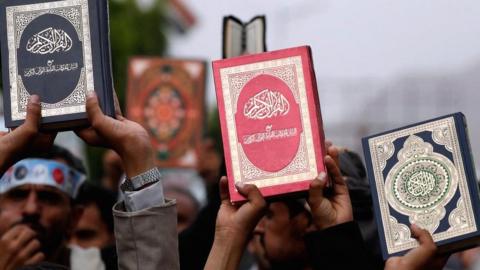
x,y
145,198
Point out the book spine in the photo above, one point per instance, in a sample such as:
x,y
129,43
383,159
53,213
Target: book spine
x,y
224,37
315,114
316,98
5,68
470,157
244,39
468,162
103,22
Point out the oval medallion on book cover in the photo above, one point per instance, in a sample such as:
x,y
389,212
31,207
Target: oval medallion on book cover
x,y
268,123
422,179
50,52
168,113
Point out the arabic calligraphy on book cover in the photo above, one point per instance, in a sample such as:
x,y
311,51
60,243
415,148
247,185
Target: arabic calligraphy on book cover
x,y
268,121
49,55
420,178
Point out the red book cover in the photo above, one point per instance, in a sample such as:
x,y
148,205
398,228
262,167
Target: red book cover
x,y
271,121
166,96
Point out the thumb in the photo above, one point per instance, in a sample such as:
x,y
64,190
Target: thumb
x,y
252,211
34,114
253,194
423,236
15,143
315,193
425,252
223,185
94,112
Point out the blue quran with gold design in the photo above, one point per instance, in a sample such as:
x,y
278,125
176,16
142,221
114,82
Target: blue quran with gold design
x,y
424,174
58,50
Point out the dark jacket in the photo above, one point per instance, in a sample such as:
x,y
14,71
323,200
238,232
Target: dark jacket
x,y
339,248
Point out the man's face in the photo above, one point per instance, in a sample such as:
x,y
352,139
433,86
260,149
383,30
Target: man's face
x,y
90,230
45,209
279,237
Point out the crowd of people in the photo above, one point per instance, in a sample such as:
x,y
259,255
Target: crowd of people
x,y
53,217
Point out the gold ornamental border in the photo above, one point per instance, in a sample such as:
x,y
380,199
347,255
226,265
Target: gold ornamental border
x,y
12,62
235,147
388,227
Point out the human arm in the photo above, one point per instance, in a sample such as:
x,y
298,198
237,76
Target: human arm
x,y
234,226
334,241
336,208
131,142
25,138
127,138
201,232
145,230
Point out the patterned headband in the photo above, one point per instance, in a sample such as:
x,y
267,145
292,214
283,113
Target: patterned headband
x,y
42,172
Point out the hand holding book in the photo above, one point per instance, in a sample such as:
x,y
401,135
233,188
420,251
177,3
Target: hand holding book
x,y
234,225
424,174
127,138
60,58
271,122
328,211
25,138
422,257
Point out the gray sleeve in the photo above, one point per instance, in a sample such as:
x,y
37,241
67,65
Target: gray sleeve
x,y
144,198
147,239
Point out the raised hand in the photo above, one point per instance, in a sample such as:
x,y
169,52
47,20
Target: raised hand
x,y
129,139
336,208
19,247
24,139
419,258
234,226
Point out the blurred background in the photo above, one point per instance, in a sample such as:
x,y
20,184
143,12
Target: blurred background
x,y
379,64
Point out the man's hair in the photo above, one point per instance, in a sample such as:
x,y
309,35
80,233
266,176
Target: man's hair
x,y
104,199
60,152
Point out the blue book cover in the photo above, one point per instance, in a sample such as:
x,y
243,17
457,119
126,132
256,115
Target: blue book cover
x,y
58,50
424,174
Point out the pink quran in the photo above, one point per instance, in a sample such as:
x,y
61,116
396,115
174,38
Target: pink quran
x,y
271,121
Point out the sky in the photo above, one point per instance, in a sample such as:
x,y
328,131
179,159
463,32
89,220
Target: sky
x,y
350,39
360,50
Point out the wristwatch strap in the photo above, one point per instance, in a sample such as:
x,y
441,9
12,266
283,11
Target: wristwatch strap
x,y
141,180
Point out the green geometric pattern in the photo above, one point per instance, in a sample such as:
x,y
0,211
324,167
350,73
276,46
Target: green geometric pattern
x,y
421,183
